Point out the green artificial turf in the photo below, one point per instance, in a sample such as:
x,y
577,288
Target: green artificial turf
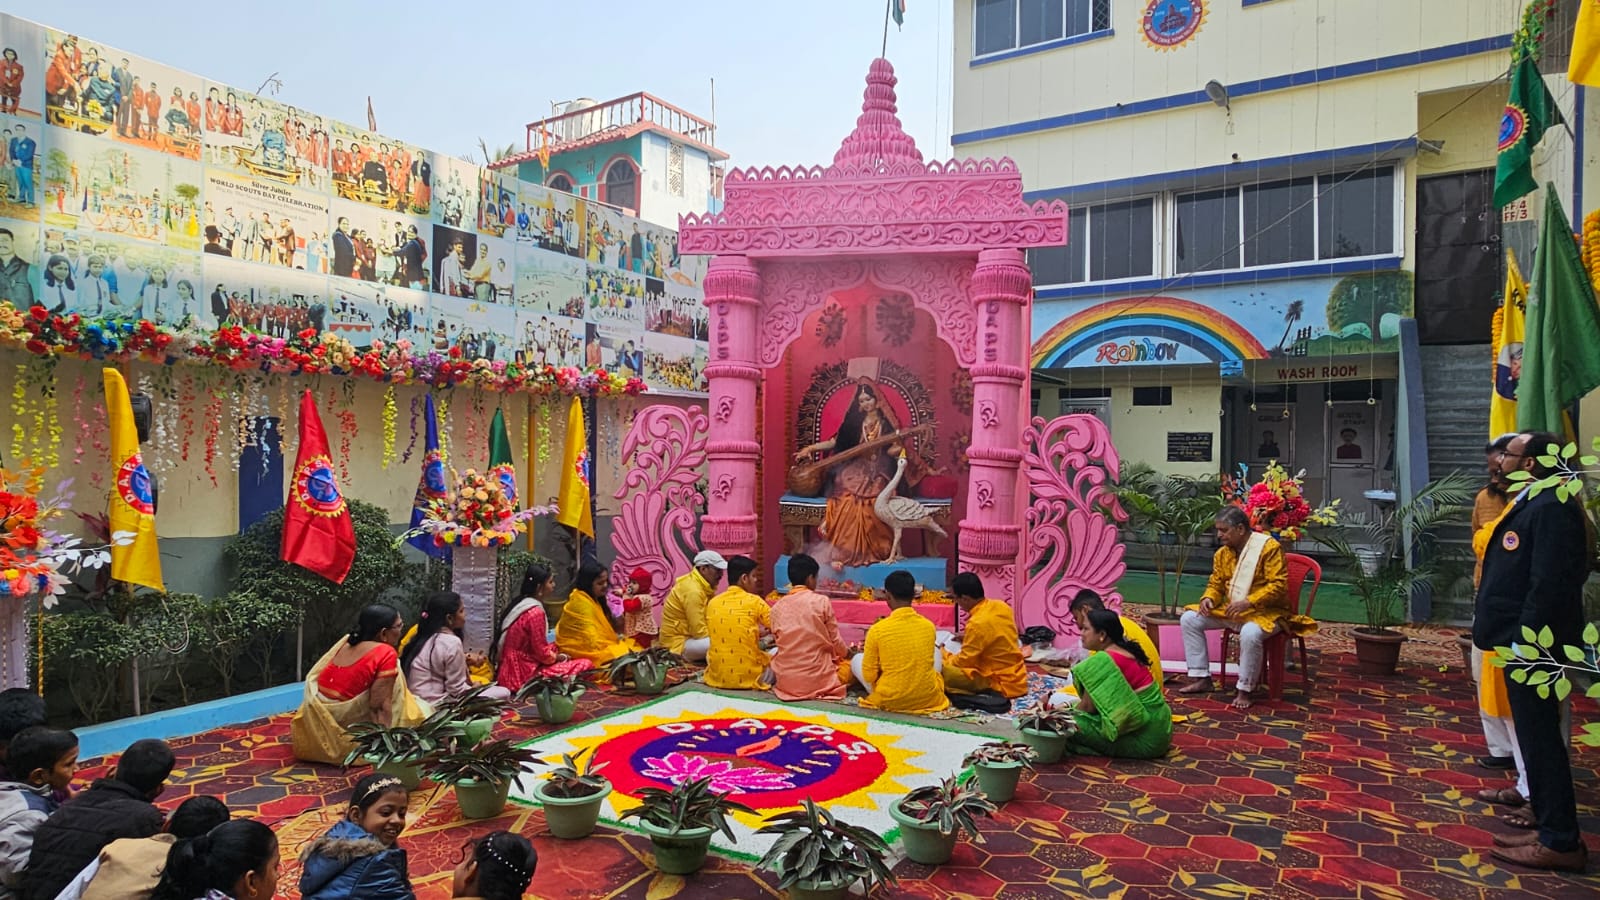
x,y
1334,602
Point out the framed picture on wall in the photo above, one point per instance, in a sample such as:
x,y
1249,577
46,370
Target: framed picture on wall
x,y
1271,435
1352,438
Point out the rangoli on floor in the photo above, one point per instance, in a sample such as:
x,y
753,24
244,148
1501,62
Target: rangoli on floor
x,y
768,755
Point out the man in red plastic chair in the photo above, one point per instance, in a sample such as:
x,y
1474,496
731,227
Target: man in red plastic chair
x,y
1248,593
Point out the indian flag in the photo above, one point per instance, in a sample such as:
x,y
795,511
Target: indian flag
x,y
897,9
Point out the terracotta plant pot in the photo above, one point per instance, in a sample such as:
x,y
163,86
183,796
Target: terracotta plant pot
x,y
923,843
570,818
682,853
1377,651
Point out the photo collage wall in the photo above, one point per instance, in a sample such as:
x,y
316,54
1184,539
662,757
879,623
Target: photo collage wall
x,y
131,189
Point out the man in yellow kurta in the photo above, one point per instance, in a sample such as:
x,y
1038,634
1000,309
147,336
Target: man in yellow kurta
x,y
1248,593
900,663
738,618
584,631
683,615
991,656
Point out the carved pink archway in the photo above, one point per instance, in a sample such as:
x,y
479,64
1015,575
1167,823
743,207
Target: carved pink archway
x,y
949,235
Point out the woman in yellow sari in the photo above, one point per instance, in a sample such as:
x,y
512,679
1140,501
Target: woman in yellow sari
x,y
585,631
358,680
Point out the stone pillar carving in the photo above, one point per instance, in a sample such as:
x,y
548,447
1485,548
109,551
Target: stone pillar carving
x,y
991,534
733,295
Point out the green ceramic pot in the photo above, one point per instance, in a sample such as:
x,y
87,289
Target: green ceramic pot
x,y
571,817
1048,746
555,709
998,781
923,843
477,730
820,890
649,680
680,853
408,771
481,799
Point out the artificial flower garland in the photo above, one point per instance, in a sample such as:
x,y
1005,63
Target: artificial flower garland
x,y
476,514
43,333
1277,502
34,559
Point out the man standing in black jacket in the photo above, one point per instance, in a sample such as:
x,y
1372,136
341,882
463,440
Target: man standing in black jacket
x,y
112,808
1533,574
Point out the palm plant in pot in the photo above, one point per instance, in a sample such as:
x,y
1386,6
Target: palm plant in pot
x,y
572,794
1047,729
475,711
932,818
647,669
399,750
1398,554
1176,512
483,774
819,857
555,697
681,821
999,766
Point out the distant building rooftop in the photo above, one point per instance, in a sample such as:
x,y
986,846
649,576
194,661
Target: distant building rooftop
x,y
584,123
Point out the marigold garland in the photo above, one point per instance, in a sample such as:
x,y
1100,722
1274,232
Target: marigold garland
x,y
388,426
19,412
306,353
441,412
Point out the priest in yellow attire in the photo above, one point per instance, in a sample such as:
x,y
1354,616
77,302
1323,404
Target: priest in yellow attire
x,y
683,615
584,630
1248,593
990,658
901,661
738,619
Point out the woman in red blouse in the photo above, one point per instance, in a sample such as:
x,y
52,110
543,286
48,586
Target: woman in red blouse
x,y
524,650
358,680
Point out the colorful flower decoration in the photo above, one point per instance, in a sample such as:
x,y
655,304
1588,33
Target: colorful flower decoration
x,y
476,514
33,558
1277,502
307,353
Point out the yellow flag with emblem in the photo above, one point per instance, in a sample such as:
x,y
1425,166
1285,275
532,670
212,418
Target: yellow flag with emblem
x,y
573,502
1510,322
133,498
1584,65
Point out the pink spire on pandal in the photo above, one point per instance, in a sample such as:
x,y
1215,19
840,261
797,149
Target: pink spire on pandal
x,y
879,138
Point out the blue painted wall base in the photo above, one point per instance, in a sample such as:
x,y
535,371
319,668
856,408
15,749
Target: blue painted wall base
x,y
114,737
929,572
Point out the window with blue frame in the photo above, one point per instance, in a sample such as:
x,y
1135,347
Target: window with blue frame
x,y
1105,242
1003,25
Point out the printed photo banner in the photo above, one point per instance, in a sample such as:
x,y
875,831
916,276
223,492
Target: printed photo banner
x,y
129,188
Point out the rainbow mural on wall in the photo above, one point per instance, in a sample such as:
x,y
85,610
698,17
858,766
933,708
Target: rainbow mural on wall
x,y
1322,316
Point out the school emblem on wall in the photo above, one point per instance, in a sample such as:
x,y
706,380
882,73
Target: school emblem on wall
x,y
1169,24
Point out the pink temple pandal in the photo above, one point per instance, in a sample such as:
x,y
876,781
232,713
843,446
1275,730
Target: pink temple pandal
x,y
1073,541
654,529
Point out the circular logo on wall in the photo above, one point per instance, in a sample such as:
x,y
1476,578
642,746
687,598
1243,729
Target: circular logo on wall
x,y
766,763
1169,24
133,485
316,489
1513,123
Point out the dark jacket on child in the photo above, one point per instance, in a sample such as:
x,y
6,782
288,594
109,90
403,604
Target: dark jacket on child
x,y
347,863
76,833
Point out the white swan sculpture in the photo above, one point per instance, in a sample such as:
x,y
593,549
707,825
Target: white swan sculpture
x,y
900,513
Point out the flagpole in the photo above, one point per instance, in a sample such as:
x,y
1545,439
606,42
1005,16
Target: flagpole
x,y
884,52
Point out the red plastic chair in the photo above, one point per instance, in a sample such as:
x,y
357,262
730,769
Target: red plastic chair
x,y
1276,647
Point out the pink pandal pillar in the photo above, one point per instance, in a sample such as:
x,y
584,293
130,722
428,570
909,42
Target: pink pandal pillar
x,y
991,535
733,294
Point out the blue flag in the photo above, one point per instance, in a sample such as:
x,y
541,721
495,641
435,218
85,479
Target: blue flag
x,y
433,485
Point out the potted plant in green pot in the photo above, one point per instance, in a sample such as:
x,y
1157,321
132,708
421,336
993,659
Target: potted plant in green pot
x,y
475,712
681,821
1175,512
999,766
1047,729
647,669
555,697
400,751
483,774
932,818
819,857
572,795
1395,555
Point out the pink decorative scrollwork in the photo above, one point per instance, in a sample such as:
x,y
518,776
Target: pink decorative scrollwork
x,y
1072,540
723,487
665,451
987,416
724,409
985,492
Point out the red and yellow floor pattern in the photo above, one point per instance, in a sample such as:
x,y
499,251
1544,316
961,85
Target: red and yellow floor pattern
x,y
1367,790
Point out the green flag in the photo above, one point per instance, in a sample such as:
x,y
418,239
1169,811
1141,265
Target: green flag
x,y
501,464
1561,346
1529,111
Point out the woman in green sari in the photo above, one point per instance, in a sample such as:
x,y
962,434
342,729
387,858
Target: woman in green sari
x,y
1121,711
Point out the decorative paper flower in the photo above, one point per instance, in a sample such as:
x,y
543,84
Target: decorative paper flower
x,y
476,514
33,558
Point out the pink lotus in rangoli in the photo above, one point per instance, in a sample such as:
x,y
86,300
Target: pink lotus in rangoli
x,y
678,768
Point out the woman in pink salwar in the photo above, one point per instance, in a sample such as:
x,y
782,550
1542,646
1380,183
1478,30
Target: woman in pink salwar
x,y
524,650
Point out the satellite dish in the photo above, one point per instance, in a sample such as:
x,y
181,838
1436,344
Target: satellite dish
x,y
1218,94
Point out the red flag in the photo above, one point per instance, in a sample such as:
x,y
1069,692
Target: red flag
x,y
318,533
372,120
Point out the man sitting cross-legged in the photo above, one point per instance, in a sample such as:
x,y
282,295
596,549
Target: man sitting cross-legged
x,y
990,657
901,662
1248,593
738,619
806,665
